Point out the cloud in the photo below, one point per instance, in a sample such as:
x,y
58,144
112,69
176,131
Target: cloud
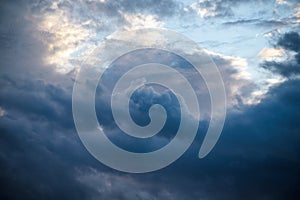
x,y
290,41
116,186
289,68
41,156
215,8
242,86
264,145
270,54
207,8
2,112
72,30
282,2
257,22
286,69
297,13
139,20
37,129
55,164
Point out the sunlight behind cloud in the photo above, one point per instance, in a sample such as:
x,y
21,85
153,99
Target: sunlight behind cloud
x,y
64,39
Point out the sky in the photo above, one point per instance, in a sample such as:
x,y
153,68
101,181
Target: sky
x,y
255,46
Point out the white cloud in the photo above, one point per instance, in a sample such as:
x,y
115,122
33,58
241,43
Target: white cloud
x,y
141,21
64,39
204,11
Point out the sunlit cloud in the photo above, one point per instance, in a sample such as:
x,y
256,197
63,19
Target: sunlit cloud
x,y
64,40
270,54
239,81
139,20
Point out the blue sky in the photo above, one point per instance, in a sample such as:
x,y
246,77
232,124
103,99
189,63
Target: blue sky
x,y
255,45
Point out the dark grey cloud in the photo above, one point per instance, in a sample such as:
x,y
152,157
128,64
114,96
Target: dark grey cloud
x,y
257,157
256,22
241,21
36,131
44,160
145,97
286,69
289,41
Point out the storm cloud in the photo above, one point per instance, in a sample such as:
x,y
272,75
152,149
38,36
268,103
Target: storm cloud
x,y
42,157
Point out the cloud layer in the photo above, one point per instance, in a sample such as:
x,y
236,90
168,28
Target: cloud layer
x,y
42,44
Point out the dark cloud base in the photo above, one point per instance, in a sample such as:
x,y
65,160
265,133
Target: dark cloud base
x,y
257,156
